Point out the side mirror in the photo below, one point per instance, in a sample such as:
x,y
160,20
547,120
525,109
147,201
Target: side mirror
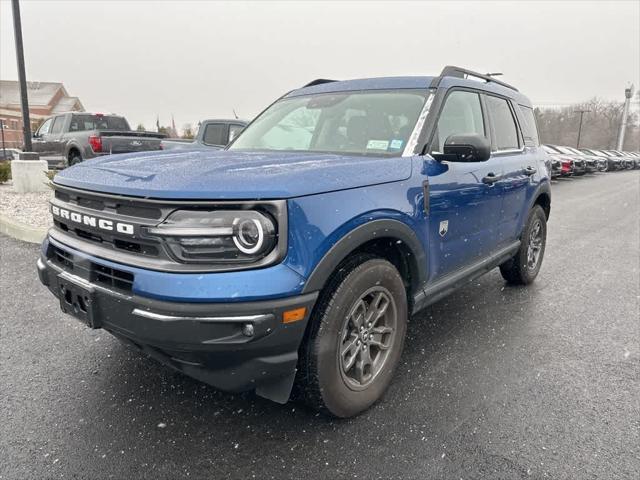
x,y
467,148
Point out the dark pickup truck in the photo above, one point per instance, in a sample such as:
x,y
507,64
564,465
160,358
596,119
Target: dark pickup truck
x,y
211,134
70,138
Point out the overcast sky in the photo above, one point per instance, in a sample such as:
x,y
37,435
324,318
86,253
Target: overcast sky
x,y
202,59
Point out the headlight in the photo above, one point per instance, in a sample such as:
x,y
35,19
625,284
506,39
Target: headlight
x,y
218,237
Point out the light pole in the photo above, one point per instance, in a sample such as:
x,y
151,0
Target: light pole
x,y
24,101
4,152
581,112
28,171
628,93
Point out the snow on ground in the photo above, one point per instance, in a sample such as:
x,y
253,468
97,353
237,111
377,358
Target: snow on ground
x,y
28,208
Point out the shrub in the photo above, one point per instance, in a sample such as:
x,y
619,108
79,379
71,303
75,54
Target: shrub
x,y
5,171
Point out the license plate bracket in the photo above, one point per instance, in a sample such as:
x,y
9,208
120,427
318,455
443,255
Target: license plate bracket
x,y
78,300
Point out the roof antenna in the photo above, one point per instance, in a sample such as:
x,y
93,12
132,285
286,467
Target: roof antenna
x,y
494,74
234,113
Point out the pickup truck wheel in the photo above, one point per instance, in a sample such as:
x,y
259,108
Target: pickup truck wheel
x,y
74,158
523,268
356,338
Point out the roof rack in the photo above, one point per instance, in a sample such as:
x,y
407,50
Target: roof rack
x,y
318,81
458,72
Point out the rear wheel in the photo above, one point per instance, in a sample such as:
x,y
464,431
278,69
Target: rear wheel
x,y
524,266
74,157
356,338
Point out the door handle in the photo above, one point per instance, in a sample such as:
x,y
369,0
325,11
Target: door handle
x,y
490,178
529,171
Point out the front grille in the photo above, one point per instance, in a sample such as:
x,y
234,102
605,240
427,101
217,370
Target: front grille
x,y
112,278
142,248
61,257
128,210
113,226
120,207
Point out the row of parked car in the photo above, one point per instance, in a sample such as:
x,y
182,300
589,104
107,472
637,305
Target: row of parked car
x,y
568,161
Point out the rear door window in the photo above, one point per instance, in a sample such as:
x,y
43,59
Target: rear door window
x,y
58,123
504,125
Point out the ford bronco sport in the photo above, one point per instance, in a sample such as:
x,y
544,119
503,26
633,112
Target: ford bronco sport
x,y
292,259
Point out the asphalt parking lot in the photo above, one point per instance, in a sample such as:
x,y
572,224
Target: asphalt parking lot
x,y
496,381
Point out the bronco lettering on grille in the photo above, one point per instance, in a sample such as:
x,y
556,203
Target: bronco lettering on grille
x,y
91,221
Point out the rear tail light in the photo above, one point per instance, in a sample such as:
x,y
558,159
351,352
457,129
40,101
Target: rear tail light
x,y
96,143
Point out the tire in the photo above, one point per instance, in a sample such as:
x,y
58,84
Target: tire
x,y
364,285
520,269
74,158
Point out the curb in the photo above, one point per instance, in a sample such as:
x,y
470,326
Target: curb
x,y
21,231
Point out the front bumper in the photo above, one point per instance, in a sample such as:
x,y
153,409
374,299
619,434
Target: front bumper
x,y
235,346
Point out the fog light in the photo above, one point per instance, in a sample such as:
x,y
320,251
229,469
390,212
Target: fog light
x,y
247,330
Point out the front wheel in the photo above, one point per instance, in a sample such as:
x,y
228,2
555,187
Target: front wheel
x,y
356,338
524,266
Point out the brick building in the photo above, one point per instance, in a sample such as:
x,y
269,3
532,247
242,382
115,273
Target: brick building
x,y
45,99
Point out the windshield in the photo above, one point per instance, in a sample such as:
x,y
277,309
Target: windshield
x,y
599,153
355,123
550,150
566,151
97,122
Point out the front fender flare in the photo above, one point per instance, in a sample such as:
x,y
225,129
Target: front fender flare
x,y
376,229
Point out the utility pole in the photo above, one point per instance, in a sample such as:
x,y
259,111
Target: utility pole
x,y
581,112
24,101
628,93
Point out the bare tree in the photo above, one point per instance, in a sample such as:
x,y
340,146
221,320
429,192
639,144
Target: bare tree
x,y
599,127
187,131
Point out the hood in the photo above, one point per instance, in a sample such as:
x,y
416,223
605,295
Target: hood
x,y
220,175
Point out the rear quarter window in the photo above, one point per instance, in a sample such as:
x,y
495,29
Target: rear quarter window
x,y
529,126
214,134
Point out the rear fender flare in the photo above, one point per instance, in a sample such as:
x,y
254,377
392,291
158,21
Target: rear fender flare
x,y
545,187
73,146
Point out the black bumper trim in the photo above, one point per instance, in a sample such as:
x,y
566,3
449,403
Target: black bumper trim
x,y
204,340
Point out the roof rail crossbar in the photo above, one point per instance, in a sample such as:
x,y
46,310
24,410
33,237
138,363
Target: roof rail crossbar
x,y
318,81
458,72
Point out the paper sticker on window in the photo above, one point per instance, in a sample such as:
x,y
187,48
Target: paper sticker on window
x,y
395,144
377,145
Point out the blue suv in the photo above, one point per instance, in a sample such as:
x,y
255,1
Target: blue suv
x,y
290,261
